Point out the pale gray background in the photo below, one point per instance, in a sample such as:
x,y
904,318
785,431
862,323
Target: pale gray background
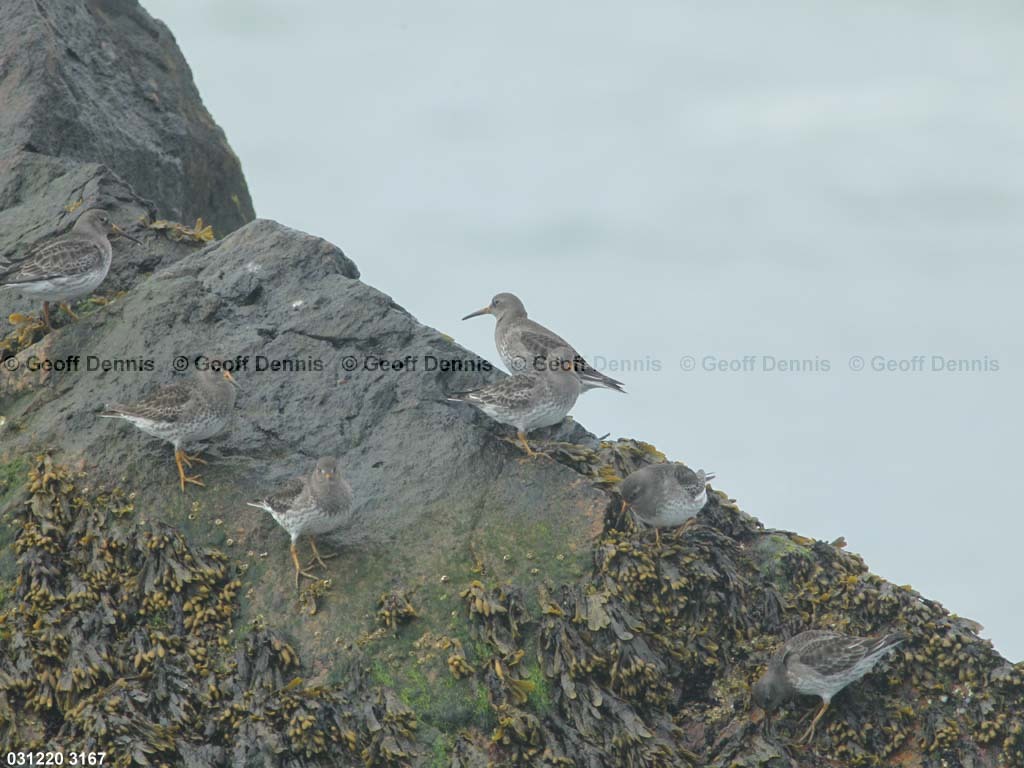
x,y
662,179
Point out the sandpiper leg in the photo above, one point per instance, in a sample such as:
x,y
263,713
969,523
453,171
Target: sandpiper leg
x,y
46,315
67,308
189,460
685,526
316,555
298,568
522,439
809,733
182,459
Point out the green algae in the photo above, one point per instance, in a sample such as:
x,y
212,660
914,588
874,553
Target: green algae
x,y
638,651
123,634
772,550
12,477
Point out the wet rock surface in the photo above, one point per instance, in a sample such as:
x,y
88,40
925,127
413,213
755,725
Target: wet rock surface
x,y
483,609
129,632
102,82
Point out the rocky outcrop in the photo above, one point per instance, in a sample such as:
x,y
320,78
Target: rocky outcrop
x,y
102,82
482,610
289,311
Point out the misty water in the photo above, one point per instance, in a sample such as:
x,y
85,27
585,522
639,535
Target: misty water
x,y
677,184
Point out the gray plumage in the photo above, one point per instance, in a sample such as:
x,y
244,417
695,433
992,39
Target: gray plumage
x,y
665,495
309,506
523,344
68,267
819,663
183,413
530,402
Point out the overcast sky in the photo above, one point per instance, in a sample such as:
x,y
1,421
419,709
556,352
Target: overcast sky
x,y
673,184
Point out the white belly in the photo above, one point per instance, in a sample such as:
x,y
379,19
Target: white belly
x,y
62,288
307,521
677,510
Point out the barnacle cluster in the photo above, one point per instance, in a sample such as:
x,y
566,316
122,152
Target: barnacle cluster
x,y
939,694
120,637
121,633
265,707
649,660
394,609
458,664
199,233
609,462
27,330
495,614
566,710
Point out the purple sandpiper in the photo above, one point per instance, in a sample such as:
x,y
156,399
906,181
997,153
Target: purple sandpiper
x,y
819,663
67,267
529,402
310,506
184,413
521,342
665,495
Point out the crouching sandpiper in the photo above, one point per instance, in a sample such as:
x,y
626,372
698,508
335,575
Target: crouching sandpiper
x,y
665,495
819,663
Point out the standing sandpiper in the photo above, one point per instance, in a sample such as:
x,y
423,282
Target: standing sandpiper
x,y
665,495
521,342
68,267
310,506
184,413
819,663
531,402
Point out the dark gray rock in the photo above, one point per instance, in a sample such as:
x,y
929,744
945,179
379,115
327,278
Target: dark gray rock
x,y
41,196
633,651
272,297
101,81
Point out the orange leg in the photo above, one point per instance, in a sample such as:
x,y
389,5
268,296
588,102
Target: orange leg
x,y
190,460
687,525
46,315
67,308
809,733
526,446
298,568
182,459
316,555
